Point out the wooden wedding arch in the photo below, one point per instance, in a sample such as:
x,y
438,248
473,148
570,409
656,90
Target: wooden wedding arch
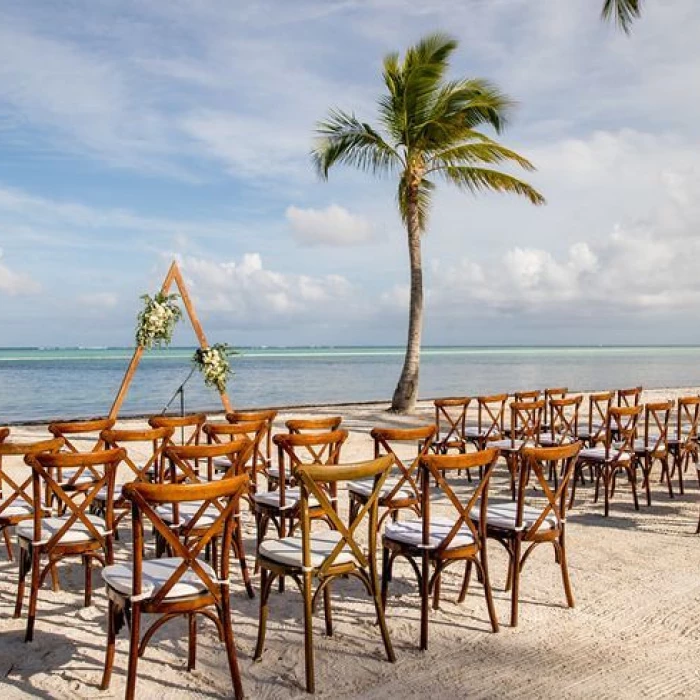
x,y
174,276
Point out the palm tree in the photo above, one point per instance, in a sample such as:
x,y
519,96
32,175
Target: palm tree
x,y
623,12
427,131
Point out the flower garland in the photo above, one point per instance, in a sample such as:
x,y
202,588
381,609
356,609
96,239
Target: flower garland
x,y
213,362
156,322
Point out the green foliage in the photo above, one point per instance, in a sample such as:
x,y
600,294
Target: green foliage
x,y
156,321
214,364
622,12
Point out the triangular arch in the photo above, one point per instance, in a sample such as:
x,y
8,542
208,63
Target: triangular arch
x,y
174,276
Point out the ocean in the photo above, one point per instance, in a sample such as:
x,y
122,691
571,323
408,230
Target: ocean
x,y
40,384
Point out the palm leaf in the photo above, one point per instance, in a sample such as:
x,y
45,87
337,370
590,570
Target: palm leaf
x,y
622,12
478,180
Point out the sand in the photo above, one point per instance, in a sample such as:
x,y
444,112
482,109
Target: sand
x,y
635,630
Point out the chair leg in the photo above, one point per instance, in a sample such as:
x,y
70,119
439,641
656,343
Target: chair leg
x,y
560,548
424,600
111,642
24,560
133,651
327,612
308,634
87,565
265,586
386,574
379,609
483,567
230,644
33,595
515,593
192,642
436,589
631,472
465,581
8,543
239,548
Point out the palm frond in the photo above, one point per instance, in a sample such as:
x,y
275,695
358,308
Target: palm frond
x,y
478,180
344,139
622,12
487,151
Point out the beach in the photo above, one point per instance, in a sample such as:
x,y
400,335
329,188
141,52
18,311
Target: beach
x,y
633,632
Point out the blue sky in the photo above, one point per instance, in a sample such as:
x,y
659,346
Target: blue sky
x,y
132,133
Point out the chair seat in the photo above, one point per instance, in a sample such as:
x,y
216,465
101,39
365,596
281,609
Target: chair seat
x,y
78,531
288,551
155,572
507,445
584,433
291,498
273,472
502,516
17,509
597,454
186,511
411,532
549,441
643,447
68,477
472,431
364,487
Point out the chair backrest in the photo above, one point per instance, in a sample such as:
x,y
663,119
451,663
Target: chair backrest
x,y
451,419
4,434
187,429
434,469
688,419
183,460
313,425
536,464
621,430
80,430
525,421
297,449
223,495
398,441
12,492
598,407
254,430
314,481
563,421
102,463
555,392
521,396
264,455
656,418
629,397
158,438
491,412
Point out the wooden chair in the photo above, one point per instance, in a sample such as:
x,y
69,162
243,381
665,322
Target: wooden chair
x,y
282,505
264,455
629,397
16,503
450,421
182,584
523,396
653,445
402,488
683,444
490,419
616,454
558,392
187,519
517,525
525,422
4,434
438,542
313,425
563,427
187,430
593,430
76,533
141,471
74,433
328,555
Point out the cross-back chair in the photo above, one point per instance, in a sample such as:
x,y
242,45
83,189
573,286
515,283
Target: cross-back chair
x,y
282,505
652,445
592,431
683,442
563,426
188,519
187,430
402,489
80,436
264,451
75,533
629,397
182,584
520,524
490,421
450,421
522,396
431,542
16,502
326,556
138,469
313,425
555,392
615,456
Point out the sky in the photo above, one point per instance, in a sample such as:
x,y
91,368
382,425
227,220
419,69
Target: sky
x,y
134,133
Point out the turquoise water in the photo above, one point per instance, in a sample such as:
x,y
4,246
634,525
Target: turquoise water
x,y
45,383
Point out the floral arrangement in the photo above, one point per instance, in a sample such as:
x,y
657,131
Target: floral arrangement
x,y
213,362
156,322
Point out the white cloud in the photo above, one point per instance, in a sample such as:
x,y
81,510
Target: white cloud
x,y
334,226
99,301
16,283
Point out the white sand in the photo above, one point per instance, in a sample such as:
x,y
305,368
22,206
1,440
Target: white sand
x,y
635,630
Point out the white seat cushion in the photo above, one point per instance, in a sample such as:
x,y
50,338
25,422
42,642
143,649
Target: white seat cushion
x,y
67,476
548,441
274,473
597,454
19,508
155,572
288,550
186,511
507,445
78,531
291,498
411,532
651,445
502,515
585,432
474,431
363,487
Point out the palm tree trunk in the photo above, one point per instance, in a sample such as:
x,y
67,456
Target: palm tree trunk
x,y
406,391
